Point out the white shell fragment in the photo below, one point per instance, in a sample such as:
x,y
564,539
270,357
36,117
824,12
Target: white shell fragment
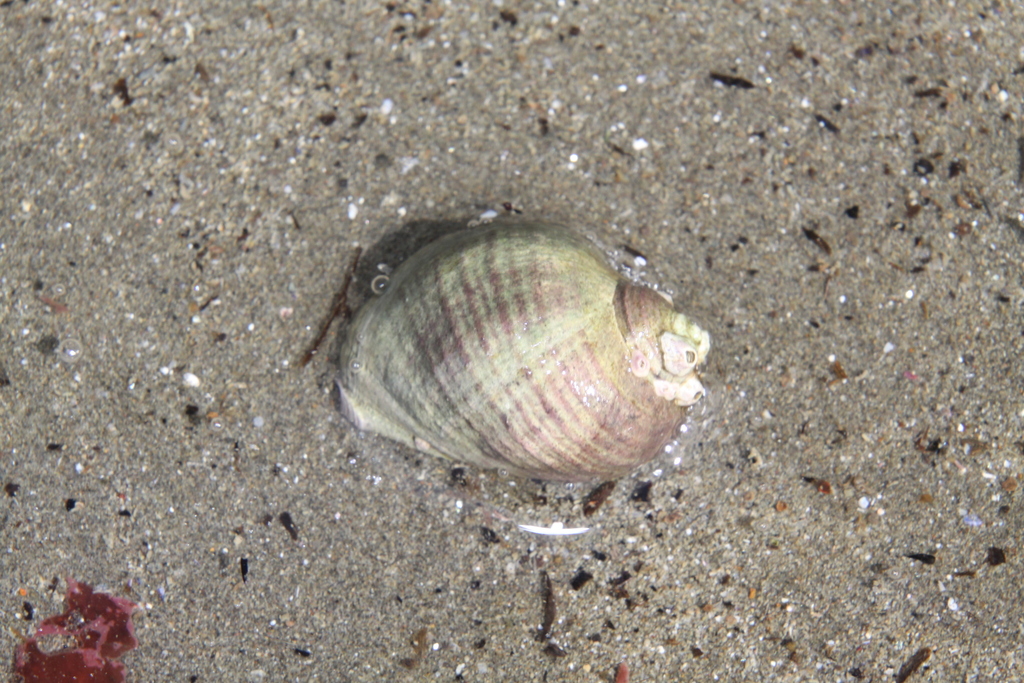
x,y
556,529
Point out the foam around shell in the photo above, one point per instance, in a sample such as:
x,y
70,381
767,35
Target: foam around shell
x,y
516,346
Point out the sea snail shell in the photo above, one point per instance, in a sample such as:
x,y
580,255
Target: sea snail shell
x,y
516,346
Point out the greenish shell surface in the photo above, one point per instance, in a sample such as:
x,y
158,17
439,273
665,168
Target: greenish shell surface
x,y
517,346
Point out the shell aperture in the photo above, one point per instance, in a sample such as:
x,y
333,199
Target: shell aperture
x,y
516,346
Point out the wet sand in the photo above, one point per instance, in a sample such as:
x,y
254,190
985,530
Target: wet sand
x,y
833,190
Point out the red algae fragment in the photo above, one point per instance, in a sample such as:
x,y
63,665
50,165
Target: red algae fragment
x,y
101,625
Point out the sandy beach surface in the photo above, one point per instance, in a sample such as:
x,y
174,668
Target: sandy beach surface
x,y
834,189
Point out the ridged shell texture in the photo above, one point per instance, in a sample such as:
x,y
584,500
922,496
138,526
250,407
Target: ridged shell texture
x,y
516,346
